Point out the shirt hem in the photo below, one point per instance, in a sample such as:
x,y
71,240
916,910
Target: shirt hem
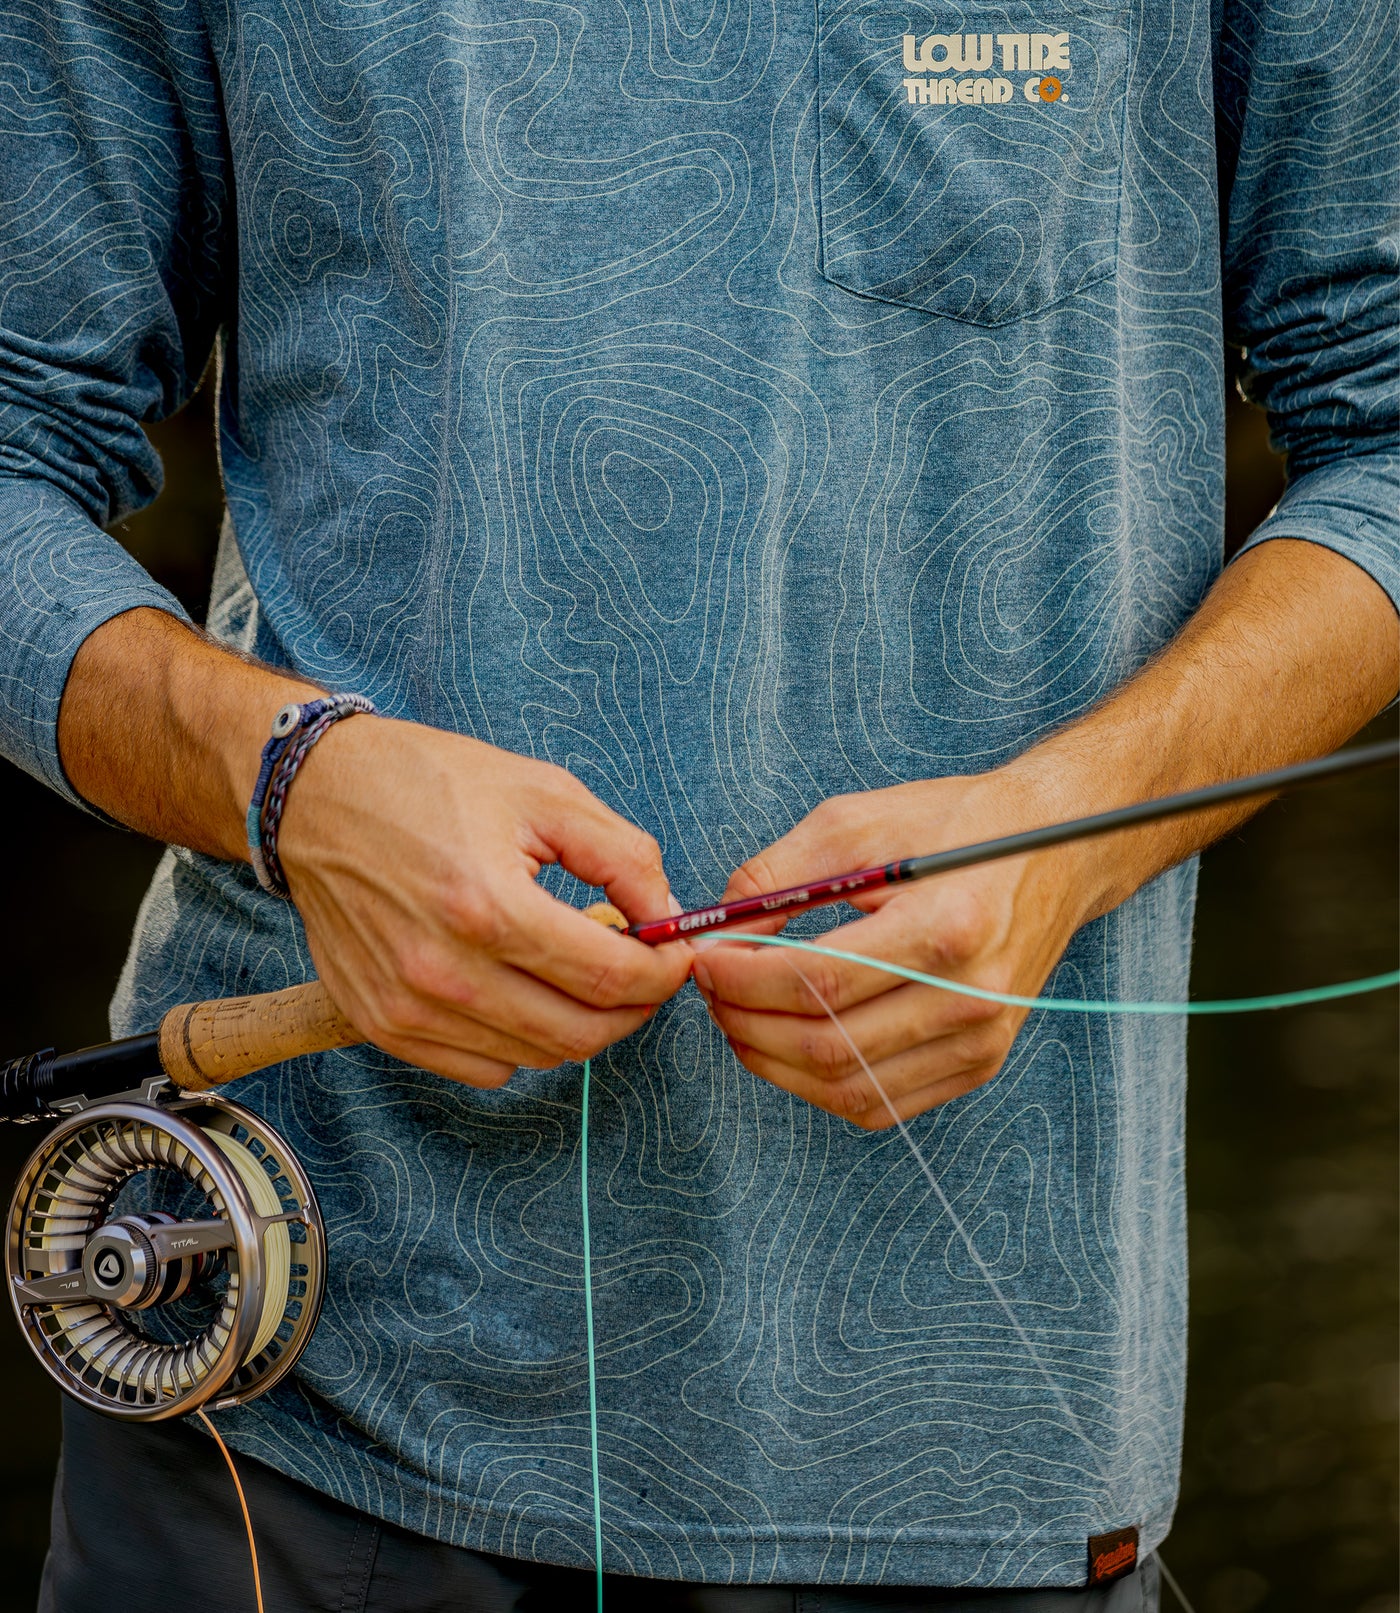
x,y
782,1554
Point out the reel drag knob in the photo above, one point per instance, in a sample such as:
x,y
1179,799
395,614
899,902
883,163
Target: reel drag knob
x,y
96,1290
145,1260
120,1266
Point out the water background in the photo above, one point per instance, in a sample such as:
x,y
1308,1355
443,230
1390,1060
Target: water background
x,y
1289,1491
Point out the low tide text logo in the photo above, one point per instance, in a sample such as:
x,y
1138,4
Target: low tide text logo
x,y
933,62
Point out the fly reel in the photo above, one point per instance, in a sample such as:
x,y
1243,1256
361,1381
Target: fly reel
x,y
162,1256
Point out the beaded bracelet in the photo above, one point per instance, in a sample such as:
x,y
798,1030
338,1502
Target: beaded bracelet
x,y
295,729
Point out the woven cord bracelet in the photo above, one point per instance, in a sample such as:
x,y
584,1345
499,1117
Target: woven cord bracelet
x,y
295,729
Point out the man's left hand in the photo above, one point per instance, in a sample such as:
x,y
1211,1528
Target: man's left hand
x,y
1294,648
1001,926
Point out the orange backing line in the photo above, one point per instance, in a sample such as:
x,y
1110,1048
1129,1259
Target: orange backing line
x,y
242,1501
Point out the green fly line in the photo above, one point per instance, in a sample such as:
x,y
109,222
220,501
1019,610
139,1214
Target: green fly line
x,y
1090,1005
592,1356
1063,1005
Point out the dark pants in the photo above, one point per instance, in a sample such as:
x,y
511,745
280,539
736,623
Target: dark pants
x,y
145,1520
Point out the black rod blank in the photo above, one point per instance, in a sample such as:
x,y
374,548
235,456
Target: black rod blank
x,y
1361,759
31,1086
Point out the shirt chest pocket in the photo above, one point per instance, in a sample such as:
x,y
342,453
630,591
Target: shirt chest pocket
x,y
971,155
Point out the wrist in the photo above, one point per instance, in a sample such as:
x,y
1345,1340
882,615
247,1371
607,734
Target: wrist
x,y
228,714
297,729
1057,783
1105,761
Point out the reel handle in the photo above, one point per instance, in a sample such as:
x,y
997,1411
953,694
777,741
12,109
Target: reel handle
x,y
203,1045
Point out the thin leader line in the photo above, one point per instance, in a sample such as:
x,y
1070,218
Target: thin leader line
x,y
1176,1589
951,1213
971,1248
1316,994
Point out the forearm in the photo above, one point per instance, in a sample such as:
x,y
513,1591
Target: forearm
x,y
1294,649
162,729
412,854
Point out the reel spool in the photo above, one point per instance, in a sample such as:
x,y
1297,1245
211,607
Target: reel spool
x,y
143,1314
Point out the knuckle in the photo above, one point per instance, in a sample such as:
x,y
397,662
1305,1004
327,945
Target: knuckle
x,y
971,1079
974,1047
606,983
823,817
873,1119
835,811
956,937
983,1045
429,975
420,973
977,1014
575,1043
842,826
393,1012
645,849
823,980
742,1054
558,778
547,1048
475,915
825,1056
849,1100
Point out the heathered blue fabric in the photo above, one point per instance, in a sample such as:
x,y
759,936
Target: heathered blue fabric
x,y
680,394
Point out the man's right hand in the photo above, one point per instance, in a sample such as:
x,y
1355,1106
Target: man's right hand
x,y
411,853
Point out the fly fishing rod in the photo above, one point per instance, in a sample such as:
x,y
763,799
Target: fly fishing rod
x,y
841,887
147,1313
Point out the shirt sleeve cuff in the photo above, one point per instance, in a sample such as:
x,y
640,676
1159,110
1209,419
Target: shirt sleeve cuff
x,y
1349,506
61,578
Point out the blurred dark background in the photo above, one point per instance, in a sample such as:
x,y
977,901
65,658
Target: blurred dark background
x,y
1289,1494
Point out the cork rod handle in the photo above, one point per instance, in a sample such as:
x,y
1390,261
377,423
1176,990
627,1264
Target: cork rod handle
x,y
202,1045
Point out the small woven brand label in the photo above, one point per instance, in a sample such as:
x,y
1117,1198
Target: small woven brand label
x,y
1112,1555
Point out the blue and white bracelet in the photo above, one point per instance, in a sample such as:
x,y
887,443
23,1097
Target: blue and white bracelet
x,y
295,729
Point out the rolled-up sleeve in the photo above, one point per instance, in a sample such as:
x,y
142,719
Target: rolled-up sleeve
x,y
1309,103
113,212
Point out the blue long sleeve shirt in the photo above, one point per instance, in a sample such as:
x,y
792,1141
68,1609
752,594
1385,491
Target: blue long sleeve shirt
x,y
735,406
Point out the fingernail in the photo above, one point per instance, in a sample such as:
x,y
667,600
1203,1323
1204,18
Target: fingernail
x,y
703,943
673,907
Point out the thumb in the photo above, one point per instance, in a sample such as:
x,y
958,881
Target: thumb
x,y
834,838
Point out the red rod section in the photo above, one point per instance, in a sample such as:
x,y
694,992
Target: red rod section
x,y
819,892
